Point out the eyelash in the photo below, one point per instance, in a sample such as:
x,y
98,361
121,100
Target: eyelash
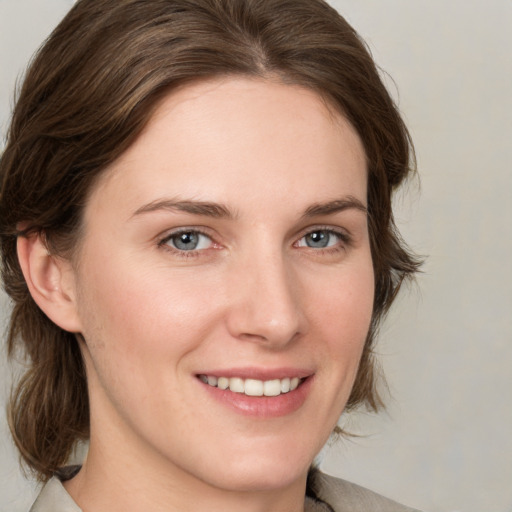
x,y
345,240
163,243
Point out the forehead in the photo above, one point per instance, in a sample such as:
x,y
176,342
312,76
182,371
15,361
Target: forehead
x,y
223,135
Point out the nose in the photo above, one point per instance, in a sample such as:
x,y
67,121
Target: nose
x,y
265,302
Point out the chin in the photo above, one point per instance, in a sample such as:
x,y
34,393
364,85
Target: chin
x,y
260,472
267,480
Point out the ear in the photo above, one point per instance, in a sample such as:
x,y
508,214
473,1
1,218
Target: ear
x,y
51,282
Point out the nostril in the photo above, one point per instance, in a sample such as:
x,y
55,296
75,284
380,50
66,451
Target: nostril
x,y
252,337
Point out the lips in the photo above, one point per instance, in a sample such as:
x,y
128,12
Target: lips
x,y
258,392
253,387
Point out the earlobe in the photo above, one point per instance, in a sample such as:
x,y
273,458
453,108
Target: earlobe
x,y
50,280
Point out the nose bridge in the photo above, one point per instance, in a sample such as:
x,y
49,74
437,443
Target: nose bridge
x,y
266,306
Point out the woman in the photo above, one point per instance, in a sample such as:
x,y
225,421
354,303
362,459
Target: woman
x,y
197,236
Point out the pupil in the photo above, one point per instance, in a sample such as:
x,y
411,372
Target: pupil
x,y
186,241
317,239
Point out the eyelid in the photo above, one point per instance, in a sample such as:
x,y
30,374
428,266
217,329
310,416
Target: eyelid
x,y
342,233
167,235
339,231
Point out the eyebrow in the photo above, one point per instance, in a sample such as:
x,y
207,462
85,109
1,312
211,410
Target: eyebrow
x,y
220,211
204,208
332,207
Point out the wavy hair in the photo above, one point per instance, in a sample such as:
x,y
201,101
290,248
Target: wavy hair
x,y
88,94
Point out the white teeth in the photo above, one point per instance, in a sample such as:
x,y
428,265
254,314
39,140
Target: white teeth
x,y
253,387
236,385
223,383
272,387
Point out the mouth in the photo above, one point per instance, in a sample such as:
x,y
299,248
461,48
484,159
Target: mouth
x,y
253,387
259,392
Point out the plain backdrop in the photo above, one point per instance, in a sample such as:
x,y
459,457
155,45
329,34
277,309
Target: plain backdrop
x,y
445,442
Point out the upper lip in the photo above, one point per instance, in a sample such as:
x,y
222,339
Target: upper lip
x,y
259,373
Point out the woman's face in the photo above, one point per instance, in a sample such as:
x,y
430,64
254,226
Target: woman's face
x,y
229,244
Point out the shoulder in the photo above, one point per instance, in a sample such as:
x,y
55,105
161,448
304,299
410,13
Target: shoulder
x,y
54,498
343,496
340,495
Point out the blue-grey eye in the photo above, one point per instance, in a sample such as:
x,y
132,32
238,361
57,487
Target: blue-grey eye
x,y
189,241
319,239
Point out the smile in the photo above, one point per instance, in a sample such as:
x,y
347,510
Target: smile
x,y
253,387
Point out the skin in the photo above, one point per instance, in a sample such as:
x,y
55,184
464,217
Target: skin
x,y
253,295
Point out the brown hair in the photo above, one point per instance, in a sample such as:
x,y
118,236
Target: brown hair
x,y
86,97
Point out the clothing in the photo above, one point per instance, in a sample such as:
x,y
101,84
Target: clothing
x,y
343,496
332,494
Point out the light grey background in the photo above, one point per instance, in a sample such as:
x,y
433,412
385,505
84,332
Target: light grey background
x,y
445,443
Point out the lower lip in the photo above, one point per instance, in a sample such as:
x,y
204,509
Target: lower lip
x,y
262,406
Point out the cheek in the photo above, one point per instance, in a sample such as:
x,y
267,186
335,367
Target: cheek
x,y
343,302
342,316
137,313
